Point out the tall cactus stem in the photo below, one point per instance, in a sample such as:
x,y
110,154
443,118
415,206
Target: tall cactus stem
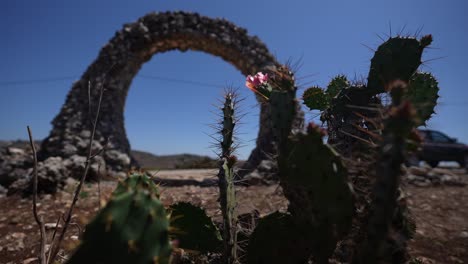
x,y
227,195
397,127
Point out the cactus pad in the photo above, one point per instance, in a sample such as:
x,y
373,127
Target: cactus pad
x,y
277,240
422,93
315,98
132,228
136,180
337,84
314,181
396,59
193,228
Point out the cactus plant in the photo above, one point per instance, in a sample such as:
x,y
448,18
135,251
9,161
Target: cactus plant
x,y
136,180
132,228
397,127
193,229
226,174
422,93
277,240
354,123
312,177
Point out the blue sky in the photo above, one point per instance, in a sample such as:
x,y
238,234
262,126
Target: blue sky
x,y
57,40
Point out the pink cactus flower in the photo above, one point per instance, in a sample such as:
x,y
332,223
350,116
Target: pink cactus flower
x,y
253,82
263,78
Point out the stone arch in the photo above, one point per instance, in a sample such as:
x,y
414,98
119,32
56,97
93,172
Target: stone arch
x,y
120,60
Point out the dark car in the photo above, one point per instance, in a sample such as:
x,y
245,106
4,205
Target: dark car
x,y
437,146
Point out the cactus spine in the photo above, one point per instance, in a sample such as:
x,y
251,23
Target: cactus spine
x,y
227,195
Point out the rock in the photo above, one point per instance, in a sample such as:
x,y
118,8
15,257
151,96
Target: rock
x,y
418,171
422,183
85,134
18,186
51,175
464,234
253,178
441,171
117,157
51,225
76,165
30,260
69,150
412,178
15,151
13,166
15,241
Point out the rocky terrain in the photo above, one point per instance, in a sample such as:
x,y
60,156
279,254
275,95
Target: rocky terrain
x,y
16,166
438,198
440,210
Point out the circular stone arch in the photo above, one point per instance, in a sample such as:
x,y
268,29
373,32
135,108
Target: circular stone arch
x,y
120,60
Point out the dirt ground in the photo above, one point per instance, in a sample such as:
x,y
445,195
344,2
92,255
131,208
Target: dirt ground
x,y
441,214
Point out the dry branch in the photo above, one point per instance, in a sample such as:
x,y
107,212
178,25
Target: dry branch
x,y
56,246
38,219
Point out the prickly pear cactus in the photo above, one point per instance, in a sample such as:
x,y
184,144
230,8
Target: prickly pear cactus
x,y
398,58
315,182
422,93
278,240
134,181
347,107
132,228
318,99
398,125
193,229
355,127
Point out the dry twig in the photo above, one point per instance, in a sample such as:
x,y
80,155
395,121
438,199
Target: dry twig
x,y
38,219
56,246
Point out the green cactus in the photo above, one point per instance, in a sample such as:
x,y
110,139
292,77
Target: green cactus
x,y
422,93
337,84
226,175
353,116
397,127
132,228
277,240
316,98
136,180
193,229
398,58
315,182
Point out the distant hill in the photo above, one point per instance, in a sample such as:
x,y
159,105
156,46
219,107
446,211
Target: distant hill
x,y
180,161
145,159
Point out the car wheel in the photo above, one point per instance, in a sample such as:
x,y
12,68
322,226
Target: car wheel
x,y
433,164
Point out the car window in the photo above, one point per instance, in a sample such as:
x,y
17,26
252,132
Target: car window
x,y
439,137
